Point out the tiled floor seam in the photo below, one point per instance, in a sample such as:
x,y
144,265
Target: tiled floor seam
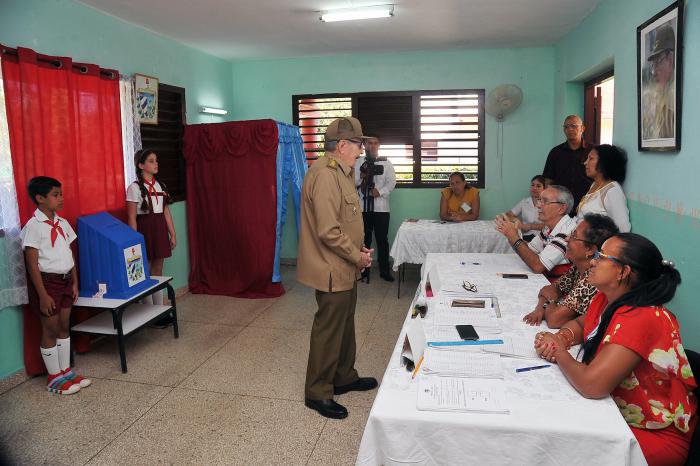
x,y
207,359
130,425
325,423
249,324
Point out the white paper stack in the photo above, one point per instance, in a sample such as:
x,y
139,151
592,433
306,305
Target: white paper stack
x,y
460,364
461,395
514,347
481,318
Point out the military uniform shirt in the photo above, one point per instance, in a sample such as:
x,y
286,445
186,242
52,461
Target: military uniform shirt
x,y
332,231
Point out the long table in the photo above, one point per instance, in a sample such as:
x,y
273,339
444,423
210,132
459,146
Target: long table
x,y
549,422
414,240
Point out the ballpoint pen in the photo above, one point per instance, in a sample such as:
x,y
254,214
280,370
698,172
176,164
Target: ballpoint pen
x,y
532,368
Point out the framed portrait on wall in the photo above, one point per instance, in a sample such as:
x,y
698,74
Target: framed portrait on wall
x,y
659,80
146,99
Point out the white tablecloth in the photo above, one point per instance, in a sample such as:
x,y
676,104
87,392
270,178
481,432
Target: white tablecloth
x,y
414,240
549,422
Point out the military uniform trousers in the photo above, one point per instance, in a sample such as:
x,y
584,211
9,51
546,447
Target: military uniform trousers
x,y
332,346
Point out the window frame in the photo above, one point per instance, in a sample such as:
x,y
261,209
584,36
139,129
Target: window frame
x,y
178,190
416,95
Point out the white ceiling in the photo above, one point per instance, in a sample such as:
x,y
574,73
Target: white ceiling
x,y
240,29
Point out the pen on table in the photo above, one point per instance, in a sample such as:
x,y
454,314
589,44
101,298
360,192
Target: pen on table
x,y
415,371
532,368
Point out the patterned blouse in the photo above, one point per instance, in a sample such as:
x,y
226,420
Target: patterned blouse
x,y
658,393
575,289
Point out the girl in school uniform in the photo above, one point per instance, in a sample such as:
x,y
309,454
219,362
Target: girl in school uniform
x,y
148,213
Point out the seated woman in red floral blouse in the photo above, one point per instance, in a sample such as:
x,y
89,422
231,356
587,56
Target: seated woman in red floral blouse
x,y
632,348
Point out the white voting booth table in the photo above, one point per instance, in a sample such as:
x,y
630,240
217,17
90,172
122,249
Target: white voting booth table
x,y
414,240
123,316
546,422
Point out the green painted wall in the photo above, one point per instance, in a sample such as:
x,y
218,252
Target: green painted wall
x,y
662,188
64,27
264,89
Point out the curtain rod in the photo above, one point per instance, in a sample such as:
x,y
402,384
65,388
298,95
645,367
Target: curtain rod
x,y
57,63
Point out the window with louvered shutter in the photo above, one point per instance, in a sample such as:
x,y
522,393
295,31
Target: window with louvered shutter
x,y
426,134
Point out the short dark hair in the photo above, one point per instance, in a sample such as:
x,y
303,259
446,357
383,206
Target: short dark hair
x,y
600,228
612,162
459,175
41,186
539,178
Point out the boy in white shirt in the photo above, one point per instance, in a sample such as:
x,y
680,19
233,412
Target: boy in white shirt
x,y
53,285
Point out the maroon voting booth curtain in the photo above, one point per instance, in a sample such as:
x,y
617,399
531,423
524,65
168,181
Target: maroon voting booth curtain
x,y
64,121
232,207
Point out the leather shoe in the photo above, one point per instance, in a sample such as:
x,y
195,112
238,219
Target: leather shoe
x,y
360,385
387,276
327,408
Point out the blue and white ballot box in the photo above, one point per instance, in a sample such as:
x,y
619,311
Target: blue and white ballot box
x,y
111,254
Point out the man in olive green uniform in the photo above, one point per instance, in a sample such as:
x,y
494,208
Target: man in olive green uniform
x,y
331,253
659,97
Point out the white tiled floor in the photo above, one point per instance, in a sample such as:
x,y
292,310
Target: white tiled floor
x,y
230,390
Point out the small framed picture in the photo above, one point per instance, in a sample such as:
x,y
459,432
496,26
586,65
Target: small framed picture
x,y
146,99
659,80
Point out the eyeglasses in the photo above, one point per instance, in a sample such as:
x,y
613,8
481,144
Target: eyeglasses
x,y
360,143
571,237
599,255
570,126
541,201
469,286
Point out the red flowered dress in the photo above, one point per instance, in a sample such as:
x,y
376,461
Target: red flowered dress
x,y
656,399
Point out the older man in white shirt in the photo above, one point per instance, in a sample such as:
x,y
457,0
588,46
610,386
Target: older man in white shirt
x,y
546,252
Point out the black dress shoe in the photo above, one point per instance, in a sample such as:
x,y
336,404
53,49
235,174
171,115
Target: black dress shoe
x,y
360,385
387,276
327,408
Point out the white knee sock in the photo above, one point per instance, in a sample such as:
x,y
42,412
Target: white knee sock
x,y
63,345
158,297
50,357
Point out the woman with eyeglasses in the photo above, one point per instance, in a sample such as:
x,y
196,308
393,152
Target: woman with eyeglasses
x,y
632,348
607,166
459,202
570,295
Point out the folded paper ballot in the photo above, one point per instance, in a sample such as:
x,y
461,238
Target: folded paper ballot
x,y
414,342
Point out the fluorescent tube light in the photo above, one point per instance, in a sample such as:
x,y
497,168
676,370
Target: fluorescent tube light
x,y
214,111
366,12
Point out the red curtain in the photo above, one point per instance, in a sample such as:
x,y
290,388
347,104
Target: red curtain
x,y
232,207
64,121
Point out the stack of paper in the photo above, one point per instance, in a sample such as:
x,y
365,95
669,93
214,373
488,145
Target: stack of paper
x,y
460,364
514,347
461,395
484,318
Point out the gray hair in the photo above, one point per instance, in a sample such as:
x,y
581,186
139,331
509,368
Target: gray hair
x,y
564,196
330,146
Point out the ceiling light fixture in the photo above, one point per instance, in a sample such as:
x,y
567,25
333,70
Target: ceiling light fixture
x,y
365,12
213,111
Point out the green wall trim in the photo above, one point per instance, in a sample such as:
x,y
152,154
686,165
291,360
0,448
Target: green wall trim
x,y
674,234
